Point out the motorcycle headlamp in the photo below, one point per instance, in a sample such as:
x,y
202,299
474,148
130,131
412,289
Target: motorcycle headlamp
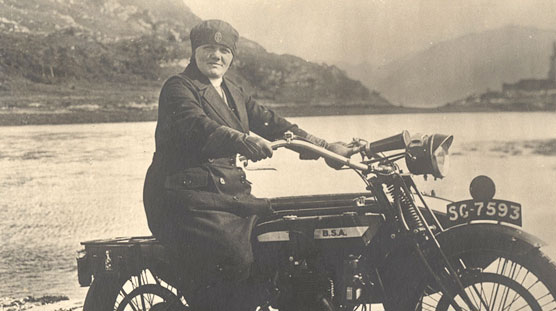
x,y
429,154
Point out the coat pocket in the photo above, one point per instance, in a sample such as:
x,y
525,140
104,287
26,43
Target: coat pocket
x,y
196,178
228,179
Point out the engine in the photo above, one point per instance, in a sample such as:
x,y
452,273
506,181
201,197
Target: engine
x,y
305,288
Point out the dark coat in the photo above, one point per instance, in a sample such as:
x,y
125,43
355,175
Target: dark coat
x,y
195,198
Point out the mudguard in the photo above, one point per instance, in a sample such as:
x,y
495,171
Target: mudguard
x,y
492,236
404,275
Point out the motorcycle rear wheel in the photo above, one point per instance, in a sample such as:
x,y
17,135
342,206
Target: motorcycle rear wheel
x,y
144,292
510,282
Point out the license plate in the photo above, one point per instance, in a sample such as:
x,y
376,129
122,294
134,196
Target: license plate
x,y
497,210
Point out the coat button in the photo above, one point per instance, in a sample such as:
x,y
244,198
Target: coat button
x,y
222,180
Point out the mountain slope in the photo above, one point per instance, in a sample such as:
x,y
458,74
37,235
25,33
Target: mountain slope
x,y
62,47
106,19
470,64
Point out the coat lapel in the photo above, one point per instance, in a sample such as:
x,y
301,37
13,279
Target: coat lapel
x,y
216,102
239,99
213,100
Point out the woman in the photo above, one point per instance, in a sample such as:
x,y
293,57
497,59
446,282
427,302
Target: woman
x,y
197,200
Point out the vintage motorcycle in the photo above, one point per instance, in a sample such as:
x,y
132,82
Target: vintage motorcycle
x,y
357,251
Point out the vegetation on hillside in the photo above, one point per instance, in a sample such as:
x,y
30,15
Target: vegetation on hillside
x,y
115,54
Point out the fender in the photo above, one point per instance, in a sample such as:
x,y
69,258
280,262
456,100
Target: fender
x,y
476,236
404,278
461,239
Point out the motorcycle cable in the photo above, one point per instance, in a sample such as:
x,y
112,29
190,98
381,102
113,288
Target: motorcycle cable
x,y
391,158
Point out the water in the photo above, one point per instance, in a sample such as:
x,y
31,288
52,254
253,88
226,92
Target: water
x,y
60,185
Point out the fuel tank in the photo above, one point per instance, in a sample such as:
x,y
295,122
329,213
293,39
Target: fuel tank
x,y
324,224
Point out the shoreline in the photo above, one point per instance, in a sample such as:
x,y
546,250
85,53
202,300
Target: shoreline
x,y
22,117
43,303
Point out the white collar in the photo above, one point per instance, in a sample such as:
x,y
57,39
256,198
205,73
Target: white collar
x,y
216,82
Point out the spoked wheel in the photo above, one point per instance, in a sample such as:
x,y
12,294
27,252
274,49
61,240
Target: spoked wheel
x,y
144,292
493,292
151,297
507,283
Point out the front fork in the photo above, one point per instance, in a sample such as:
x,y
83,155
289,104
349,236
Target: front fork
x,y
412,222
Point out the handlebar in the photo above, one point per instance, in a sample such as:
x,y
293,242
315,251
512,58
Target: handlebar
x,y
326,154
423,155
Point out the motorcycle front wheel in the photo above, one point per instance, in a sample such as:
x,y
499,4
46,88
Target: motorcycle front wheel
x,y
497,280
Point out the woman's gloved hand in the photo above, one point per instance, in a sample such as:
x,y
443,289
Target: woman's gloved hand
x,y
343,149
225,139
307,154
255,148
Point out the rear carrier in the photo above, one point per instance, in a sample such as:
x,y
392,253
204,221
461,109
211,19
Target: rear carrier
x,y
118,257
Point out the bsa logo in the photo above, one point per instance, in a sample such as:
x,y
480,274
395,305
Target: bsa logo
x,y
218,37
340,233
333,232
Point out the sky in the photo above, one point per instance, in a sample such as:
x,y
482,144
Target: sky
x,y
373,31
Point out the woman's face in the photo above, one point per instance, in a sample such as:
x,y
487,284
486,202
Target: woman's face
x,y
213,60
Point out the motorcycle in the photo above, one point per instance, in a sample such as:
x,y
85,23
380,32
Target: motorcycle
x,y
359,250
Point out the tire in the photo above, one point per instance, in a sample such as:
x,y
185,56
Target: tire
x,y
145,292
498,280
151,297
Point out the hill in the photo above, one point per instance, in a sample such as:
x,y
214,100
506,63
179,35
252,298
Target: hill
x,y
457,68
105,60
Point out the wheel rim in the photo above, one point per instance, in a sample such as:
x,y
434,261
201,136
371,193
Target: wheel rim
x,y
504,285
493,292
147,292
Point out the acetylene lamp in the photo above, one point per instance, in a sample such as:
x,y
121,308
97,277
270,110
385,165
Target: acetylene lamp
x,y
429,154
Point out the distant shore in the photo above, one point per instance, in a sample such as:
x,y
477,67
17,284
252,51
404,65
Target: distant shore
x,y
74,103
16,117
29,116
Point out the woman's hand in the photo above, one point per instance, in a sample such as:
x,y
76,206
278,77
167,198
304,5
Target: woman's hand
x,y
256,148
343,149
224,139
305,154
